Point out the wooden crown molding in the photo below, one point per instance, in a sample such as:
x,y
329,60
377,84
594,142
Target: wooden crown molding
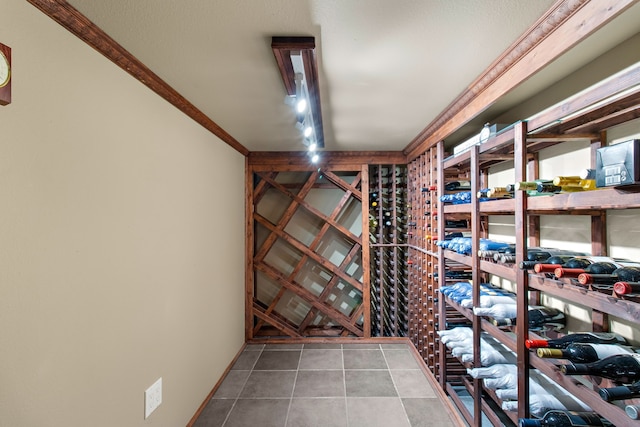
x,y
565,24
79,25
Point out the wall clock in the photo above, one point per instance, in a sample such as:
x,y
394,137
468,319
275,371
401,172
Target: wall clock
x,y
5,74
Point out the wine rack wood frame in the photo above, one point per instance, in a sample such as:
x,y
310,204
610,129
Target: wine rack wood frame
x,y
263,320
388,234
570,120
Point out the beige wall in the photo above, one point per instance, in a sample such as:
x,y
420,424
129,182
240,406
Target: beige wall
x,y
121,241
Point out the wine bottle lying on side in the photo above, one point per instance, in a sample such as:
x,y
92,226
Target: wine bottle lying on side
x,y
565,419
623,274
581,337
584,352
620,393
621,368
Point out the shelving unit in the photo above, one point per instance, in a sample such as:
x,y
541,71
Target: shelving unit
x,y
585,116
389,229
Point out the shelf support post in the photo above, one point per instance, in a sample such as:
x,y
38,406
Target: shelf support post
x,y
522,322
475,277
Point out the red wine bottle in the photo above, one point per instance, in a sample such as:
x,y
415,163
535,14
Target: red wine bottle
x,y
571,263
581,337
554,260
600,279
584,352
595,268
620,393
557,418
624,288
623,368
623,274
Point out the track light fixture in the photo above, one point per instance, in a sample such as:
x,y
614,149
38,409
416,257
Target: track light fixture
x,y
296,61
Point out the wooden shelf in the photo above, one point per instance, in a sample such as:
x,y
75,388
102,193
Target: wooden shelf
x,y
610,304
584,202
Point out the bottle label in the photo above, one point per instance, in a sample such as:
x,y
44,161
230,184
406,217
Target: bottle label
x,y
605,350
609,337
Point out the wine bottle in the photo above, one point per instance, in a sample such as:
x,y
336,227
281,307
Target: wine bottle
x,y
624,288
499,192
555,418
497,311
540,318
540,404
483,193
554,260
450,223
600,265
620,393
623,368
575,182
581,337
550,188
595,268
632,411
573,262
583,352
530,185
601,279
537,255
457,185
622,274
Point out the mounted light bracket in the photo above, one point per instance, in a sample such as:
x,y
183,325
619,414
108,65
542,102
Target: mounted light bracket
x,y
296,59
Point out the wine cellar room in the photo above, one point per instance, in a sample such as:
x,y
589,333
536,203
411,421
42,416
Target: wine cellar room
x,y
487,233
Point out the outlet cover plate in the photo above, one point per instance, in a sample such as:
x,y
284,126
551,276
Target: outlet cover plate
x,y
152,398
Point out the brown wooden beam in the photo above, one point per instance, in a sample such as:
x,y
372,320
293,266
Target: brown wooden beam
x,y
80,26
258,311
299,160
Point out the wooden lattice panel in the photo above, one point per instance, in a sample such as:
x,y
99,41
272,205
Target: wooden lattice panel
x,y
307,259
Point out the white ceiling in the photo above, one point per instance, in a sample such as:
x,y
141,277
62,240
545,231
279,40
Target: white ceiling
x,y
386,68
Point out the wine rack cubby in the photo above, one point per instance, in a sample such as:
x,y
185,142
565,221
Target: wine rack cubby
x,y
390,227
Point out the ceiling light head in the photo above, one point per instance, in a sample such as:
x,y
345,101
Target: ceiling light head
x,y
301,105
308,131
313,146
314,158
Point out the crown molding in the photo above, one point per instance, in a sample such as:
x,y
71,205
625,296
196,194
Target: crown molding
x,y
80,26
564,25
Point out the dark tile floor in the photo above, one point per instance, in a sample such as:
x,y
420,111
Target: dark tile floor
x,y
325,385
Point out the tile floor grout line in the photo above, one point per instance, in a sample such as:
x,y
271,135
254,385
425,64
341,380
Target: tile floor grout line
x,y
295,380
344,385
235,401
395,387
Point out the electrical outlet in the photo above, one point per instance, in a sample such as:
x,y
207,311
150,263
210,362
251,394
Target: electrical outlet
x,y
152,398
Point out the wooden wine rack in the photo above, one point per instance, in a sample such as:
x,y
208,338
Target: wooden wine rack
x,y
308,256
284,301
388,233
586,116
